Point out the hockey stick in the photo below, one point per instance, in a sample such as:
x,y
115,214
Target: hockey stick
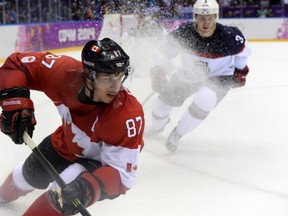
x,y
52,171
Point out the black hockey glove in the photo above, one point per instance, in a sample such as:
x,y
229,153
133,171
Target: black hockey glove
x,y
66,200
239,76
17,113
158,79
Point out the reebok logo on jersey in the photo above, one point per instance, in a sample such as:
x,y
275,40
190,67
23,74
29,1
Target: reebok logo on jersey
x,y
12,102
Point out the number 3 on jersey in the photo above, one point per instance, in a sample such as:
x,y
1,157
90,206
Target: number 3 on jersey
x,y
131,125
239,38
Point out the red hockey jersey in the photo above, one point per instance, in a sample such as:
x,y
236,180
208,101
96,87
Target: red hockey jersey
x,y
111,133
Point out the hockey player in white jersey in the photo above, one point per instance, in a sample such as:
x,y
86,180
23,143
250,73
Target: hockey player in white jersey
x,y
213,60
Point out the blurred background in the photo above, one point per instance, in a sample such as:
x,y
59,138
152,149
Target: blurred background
x,y
27,11
41,25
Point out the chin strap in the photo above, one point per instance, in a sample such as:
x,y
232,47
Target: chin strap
x,y
91,91
125,77
92,79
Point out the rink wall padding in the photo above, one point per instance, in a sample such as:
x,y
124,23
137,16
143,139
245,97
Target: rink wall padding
x,y
54,36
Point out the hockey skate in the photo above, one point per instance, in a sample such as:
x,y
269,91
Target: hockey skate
x,y
173,139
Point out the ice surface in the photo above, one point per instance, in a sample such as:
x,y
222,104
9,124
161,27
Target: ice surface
x,y
234,164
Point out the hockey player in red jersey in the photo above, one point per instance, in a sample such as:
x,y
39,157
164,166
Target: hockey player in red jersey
x,y
213,60
96,148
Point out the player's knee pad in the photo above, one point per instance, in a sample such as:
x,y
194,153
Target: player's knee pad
x,y
204,101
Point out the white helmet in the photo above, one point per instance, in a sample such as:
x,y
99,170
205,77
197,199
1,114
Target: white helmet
x,y
205,7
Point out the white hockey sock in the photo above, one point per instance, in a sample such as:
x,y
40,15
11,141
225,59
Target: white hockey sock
x,y
160,114
69,174
19,179
187,123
